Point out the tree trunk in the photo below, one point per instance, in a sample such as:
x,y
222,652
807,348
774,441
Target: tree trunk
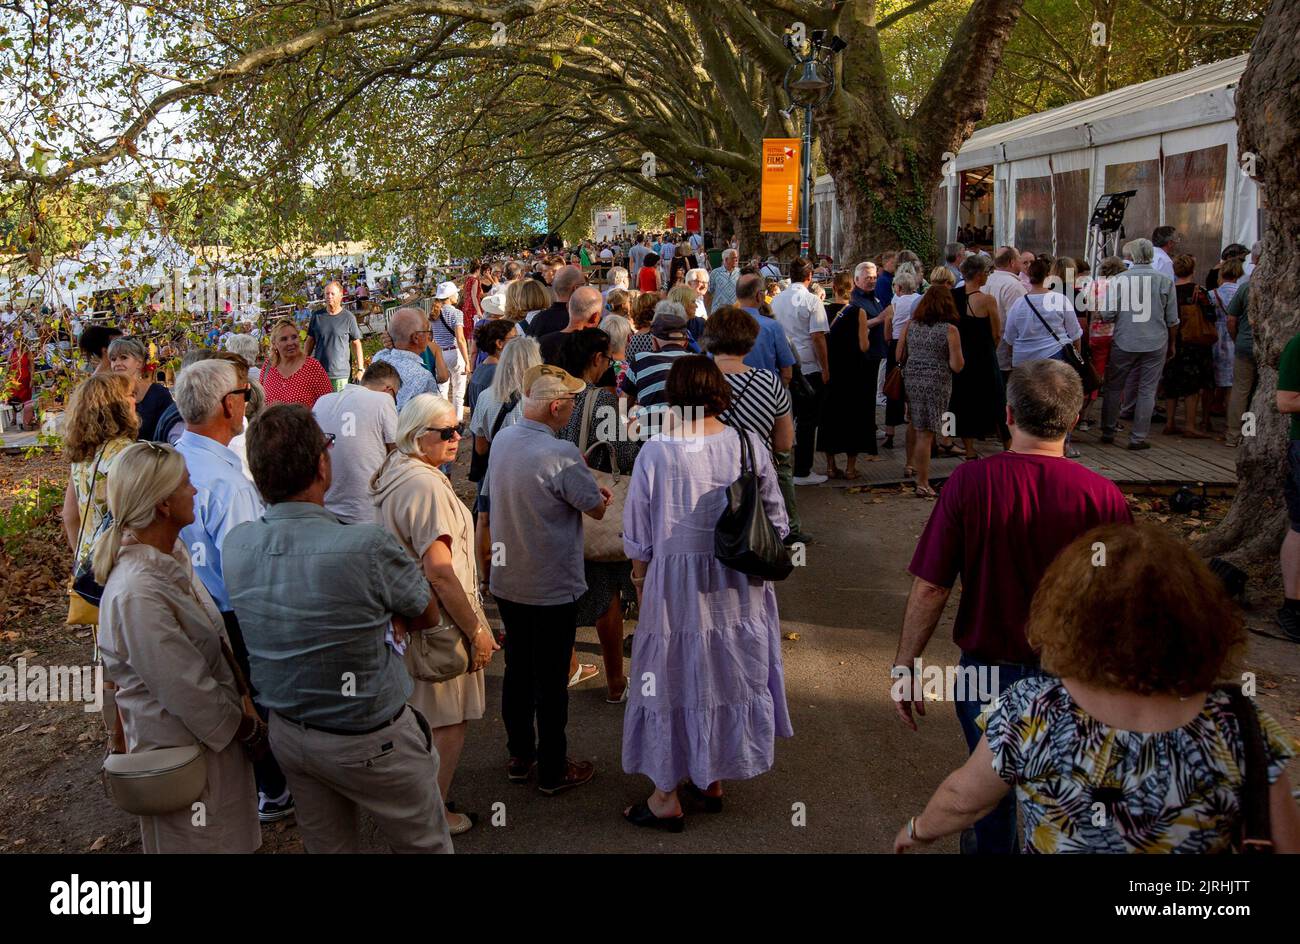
x,y
1268,116
883,199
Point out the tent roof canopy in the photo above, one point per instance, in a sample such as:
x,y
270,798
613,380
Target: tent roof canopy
x,y
1198,96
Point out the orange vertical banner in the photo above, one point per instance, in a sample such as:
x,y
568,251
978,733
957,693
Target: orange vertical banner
x,y
780,187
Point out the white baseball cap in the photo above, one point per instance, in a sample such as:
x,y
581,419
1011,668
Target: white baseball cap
x,y
446,290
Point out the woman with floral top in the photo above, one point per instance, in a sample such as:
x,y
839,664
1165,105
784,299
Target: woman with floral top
x,y
1128,746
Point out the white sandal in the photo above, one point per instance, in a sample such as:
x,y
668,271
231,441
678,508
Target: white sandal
x,y
578,677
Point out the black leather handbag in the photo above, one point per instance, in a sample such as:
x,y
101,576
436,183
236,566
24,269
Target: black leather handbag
x,y
745,538
478,462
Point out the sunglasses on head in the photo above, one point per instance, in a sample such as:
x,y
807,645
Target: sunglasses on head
x,y
446,432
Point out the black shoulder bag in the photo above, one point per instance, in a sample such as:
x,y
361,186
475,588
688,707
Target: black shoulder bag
x,y
1087,375
1256,827
478,464
745,538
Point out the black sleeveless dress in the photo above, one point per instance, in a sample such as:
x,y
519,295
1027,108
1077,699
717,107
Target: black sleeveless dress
x,y
848,420
978,399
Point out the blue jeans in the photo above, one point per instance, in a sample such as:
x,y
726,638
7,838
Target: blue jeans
x,y
995,833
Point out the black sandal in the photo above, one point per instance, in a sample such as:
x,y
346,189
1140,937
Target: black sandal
x,y
712,804
641,815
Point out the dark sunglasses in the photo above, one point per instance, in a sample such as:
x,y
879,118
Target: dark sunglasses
x,y
446,432
329,440
244,392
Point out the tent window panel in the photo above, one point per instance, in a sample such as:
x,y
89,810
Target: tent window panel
x,y
1142,214
1072,212
1195,182
1034,214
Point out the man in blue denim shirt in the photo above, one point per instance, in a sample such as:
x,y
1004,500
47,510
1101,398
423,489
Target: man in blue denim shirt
x,y
316,599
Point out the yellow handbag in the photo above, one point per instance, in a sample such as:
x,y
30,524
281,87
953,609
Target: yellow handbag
x,y
81,612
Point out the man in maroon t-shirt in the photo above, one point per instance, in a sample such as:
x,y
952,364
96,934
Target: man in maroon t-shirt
x,y
999,523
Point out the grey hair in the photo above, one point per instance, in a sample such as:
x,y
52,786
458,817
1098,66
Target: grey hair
x,y
619,330
404,323
201,387
1045,397
420,411
906,280
619,276
694,275
730,254
245,345
952,251
583,304
1141,251
132,347
862,267
670,307
516,357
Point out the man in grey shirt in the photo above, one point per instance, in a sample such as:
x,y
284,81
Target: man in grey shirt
x,y
1144,306
540,487
333,337
318,601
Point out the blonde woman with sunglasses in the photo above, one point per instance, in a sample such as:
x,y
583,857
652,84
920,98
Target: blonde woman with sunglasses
x,y
164,645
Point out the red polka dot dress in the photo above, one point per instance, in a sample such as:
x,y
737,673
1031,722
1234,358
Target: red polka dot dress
x,y
306,385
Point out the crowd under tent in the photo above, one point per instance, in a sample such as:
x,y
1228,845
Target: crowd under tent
x,y
1037,178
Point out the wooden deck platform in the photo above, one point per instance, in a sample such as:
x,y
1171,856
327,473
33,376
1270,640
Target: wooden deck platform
x,y
1171,461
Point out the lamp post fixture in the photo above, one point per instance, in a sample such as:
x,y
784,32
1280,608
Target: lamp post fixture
x,y
811,89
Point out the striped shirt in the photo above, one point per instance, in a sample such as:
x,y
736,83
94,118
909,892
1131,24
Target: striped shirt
x,y
723,286
444,336
758,398
647,378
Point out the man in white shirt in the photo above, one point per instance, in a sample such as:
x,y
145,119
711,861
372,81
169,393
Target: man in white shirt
x,y
1165,241
363,420
1006,288
803,316
698,279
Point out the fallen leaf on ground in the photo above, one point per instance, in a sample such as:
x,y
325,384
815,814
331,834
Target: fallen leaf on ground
x,y
21,728
98,844
793,637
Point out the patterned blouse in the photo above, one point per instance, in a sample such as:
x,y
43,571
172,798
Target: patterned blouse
x,y
93,502
1083,786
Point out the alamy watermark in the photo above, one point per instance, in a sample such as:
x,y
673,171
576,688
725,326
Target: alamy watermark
x,y
922,682
22,682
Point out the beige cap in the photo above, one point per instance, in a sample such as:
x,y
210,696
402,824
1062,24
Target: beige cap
x,y
548,382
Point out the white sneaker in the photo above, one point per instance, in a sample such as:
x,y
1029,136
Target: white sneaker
x,y
812,478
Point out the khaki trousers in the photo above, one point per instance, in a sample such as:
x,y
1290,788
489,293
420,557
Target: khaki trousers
x,y
391,773
1243,385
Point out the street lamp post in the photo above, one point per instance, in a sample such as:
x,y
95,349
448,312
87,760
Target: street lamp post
x,y
810,90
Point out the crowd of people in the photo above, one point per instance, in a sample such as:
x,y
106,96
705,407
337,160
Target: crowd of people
x,y
290,579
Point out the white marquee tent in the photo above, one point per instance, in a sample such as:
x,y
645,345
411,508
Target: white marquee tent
x,y
1036,179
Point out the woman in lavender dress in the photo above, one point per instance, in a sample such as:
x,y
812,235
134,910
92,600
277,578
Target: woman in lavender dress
x,y
708,695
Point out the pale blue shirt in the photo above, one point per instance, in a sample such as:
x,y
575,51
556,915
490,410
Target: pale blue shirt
x,y
1032,339
223,499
